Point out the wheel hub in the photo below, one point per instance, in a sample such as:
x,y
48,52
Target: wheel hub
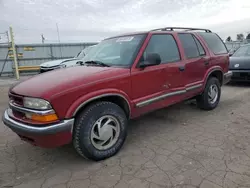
x,y
105,132
213,94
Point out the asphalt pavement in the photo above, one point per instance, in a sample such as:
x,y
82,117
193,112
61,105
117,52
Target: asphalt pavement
x,y
180,146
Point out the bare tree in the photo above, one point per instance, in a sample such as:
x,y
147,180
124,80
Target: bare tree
x,y
248,36
229,39
240,37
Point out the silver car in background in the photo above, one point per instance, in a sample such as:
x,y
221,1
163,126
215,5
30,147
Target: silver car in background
x,y
63,63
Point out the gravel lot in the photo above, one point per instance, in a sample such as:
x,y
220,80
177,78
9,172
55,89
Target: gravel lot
x,y
180,146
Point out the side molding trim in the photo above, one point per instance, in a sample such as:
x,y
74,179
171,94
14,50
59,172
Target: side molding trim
x,y
164,96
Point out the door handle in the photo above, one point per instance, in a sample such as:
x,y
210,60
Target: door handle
x,y
206,63
182,68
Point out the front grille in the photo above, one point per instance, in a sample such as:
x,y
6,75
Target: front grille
x,y
241,76
46,69
43,70
16,99
17,114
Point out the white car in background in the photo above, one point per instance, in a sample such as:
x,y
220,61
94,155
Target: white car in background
x,y
63,63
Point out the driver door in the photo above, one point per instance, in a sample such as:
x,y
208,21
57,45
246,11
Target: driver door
x,y
152,83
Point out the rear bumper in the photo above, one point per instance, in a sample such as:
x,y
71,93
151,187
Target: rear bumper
x,y
45,136
227,77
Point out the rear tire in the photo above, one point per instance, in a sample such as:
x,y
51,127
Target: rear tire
x,y
100,131
210,97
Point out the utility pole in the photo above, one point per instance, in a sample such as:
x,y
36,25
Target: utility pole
x,y
43,39
58,35
14,52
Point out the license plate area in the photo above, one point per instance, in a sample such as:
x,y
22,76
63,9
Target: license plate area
x,y
241,75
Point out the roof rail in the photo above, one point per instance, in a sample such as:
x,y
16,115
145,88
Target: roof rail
x,y
185,28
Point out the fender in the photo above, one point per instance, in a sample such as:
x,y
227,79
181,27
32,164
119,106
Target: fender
x,y
209,72
80,102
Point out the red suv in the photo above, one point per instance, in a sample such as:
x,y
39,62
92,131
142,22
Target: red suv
x,y
122,78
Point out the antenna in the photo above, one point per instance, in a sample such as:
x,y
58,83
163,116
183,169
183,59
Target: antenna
x,y
58,35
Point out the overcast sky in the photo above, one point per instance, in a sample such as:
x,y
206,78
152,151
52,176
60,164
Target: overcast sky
x,y
93,20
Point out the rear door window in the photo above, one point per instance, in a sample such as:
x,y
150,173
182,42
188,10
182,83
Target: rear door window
x,y
214,42
189,45
200,47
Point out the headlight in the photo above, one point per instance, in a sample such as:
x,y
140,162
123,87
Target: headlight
x,y
35,103
62,66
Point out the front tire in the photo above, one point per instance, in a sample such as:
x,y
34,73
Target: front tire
x,y
210,97
100,131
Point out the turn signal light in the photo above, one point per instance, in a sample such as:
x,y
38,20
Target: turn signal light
x,y
42,118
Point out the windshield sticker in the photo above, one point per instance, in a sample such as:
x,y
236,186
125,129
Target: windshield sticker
x,y
124,39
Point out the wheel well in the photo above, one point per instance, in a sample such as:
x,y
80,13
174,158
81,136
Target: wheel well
x,y
217,74
120,101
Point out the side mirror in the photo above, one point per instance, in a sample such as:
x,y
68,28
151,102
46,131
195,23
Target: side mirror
x,y
151,60
230,54
203,54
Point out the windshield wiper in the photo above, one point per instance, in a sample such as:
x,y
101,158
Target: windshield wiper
x,y
96,63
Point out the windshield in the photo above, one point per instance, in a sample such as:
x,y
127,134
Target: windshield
x,y
117,51
242,51
82,53
229,46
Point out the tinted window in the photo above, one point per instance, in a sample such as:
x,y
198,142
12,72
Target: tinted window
x,y
214,43
200,47
189,45
242,51
229,46
165,46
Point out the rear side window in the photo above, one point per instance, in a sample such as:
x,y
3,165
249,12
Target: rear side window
x,y
214,43
189,45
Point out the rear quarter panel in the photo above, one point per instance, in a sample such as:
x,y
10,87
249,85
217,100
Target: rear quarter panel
x,y
221,60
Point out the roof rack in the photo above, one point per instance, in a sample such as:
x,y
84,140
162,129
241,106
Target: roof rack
x,y
185,28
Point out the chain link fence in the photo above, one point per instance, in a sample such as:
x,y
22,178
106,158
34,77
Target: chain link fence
x,y
36,54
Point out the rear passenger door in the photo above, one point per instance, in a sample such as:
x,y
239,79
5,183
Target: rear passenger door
x,y
197,60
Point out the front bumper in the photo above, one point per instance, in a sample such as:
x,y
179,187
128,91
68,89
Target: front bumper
x,y
46,69
227,77
53,135
241,75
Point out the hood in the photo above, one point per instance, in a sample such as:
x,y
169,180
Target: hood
x,y
55,62
57,81
239,63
